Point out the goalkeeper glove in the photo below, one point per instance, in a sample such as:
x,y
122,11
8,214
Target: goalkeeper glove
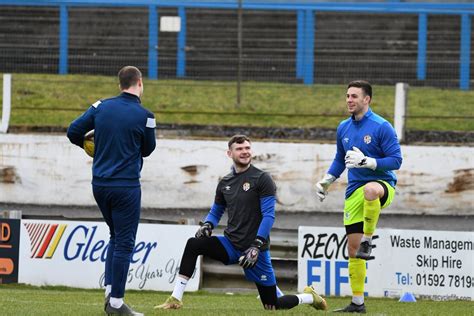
x,y
249,257
205,231
323,185
356,159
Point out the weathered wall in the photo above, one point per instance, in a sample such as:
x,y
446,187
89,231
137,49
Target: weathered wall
x,y
47,169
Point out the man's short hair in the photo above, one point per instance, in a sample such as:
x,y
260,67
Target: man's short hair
x,y
238,139
364,85
129,76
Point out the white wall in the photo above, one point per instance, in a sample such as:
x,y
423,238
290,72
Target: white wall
x,y
47,169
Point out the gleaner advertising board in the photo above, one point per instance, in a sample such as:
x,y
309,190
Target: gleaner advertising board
x,y
73,254
435,265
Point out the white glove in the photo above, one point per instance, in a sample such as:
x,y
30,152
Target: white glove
x,y
323,185
356,159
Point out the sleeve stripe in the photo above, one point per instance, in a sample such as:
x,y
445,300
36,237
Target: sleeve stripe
x,y
96,104
150,122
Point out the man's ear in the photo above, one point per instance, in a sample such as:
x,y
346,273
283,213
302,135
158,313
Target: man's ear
x,y
368,99
229,153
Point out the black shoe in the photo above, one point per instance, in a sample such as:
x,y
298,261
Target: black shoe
x,y
123,310
364,251
352,308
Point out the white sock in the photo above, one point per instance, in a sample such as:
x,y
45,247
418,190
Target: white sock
x,y
279,292
116,302
359,300
366,238
305,298
108,290
179,287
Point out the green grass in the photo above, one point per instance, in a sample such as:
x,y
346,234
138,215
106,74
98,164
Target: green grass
x,y
29,300
53,100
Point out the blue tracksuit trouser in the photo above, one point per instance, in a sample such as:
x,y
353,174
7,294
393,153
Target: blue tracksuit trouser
x,y
120,207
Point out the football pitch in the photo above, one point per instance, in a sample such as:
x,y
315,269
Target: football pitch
x,y
30,300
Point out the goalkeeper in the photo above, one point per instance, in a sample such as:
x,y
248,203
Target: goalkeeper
x,y
368,147
248,195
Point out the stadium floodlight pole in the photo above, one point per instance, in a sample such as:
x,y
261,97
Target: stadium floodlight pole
x,y
6,109
239,48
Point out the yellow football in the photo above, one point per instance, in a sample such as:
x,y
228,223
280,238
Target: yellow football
x,y
89,146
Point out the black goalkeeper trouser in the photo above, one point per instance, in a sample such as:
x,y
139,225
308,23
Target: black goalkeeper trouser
x,y
211,247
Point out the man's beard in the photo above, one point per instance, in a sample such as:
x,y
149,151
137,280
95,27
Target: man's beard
x,y
241,165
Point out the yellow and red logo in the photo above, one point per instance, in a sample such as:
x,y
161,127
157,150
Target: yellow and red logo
x,y
44,238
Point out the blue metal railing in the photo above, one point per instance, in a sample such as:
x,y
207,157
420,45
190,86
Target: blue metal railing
x,y
422,33
152,42
181,58
63,39
465,63
305,26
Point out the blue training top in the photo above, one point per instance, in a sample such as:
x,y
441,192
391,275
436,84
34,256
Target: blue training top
x,y
376,138
124,133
